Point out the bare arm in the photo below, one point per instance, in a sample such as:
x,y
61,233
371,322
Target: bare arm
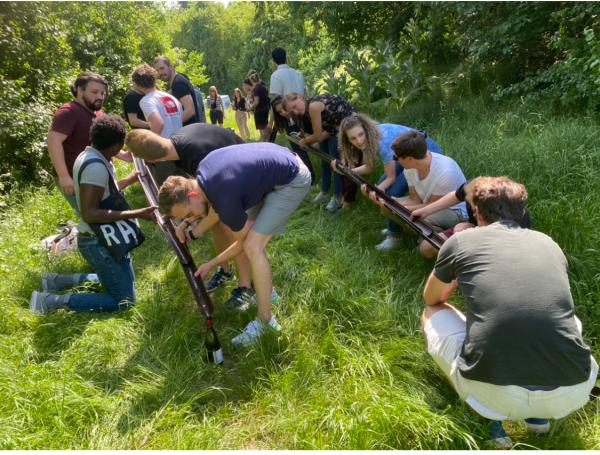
x,y
314,111
390,176
232,251
137,122
188,108
436,204
57,156
156,123
89,200
437,291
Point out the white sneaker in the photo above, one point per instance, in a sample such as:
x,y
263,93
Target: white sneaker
x,y
388,244
321,197
254,330
333,206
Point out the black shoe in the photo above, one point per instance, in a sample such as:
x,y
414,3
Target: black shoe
x,y
220,277
241,299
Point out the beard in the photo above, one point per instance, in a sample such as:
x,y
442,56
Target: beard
x,y
93,105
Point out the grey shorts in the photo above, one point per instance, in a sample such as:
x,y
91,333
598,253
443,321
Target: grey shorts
x,y
274,211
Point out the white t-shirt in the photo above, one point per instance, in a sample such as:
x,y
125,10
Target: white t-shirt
x,y
286,80
94,174
168,107
444,176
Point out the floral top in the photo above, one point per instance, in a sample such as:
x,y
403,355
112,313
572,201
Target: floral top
x,y
336,110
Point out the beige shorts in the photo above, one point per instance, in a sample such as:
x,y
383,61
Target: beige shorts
x,y
274,211
445,332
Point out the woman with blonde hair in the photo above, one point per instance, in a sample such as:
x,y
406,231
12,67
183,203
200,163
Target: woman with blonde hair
x,y
361,141
215,104
325,114
238,104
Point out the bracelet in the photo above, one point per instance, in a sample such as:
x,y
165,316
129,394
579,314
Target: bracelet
x,y
191,235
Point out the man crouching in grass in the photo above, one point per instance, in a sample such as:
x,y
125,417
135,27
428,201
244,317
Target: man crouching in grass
x,y
253,189
518,353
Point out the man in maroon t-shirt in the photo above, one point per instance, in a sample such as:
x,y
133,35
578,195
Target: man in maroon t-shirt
x,y
69,132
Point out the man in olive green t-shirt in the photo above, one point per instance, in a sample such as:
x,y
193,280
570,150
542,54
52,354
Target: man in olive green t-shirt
x,y
517,352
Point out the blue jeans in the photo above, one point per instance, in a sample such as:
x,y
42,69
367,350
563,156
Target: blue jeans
x,y
330,145
70,198
398,189
117,278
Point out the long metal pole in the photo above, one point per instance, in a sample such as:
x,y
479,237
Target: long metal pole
x,y
181,249
422,228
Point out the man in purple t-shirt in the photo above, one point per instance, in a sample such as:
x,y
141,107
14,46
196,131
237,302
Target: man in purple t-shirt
x,y
253,189
69,132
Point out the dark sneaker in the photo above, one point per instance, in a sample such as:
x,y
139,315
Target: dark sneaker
x,y
498,437
220,277
538,426
241,299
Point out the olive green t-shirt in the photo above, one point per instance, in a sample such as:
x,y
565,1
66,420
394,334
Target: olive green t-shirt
x,y
521,327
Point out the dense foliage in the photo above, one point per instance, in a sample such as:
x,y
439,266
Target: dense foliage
x,y
383,56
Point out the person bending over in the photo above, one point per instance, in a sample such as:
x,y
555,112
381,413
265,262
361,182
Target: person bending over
x,y
94,175
186,149
517,351
325,114
253,189
361,142
286,123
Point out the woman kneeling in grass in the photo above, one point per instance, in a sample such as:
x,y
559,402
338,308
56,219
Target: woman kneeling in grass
x,y
361,141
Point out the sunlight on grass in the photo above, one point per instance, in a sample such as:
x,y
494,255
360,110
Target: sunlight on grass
x,y
349,370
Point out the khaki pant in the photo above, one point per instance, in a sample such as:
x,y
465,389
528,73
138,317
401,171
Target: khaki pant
x,y
241,118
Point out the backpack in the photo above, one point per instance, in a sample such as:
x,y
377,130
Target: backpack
x,y
199,102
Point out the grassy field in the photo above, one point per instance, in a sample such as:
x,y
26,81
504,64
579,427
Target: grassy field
x,y
349,370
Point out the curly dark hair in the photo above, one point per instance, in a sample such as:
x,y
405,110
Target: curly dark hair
x,y
144,76
107,131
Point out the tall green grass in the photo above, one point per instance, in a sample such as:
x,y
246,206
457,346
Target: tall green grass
x,y
349,370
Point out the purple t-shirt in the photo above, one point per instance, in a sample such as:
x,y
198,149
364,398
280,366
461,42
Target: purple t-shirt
x,y
238,177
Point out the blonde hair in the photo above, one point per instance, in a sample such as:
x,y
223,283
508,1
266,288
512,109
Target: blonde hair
x,y
212,87
497,198
349,154
253,76
173,191
146,145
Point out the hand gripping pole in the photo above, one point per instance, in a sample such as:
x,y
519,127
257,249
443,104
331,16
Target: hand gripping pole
x,y
181,250
422,228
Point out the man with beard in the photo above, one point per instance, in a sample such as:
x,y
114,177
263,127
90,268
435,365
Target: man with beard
x,y
181,88
69,132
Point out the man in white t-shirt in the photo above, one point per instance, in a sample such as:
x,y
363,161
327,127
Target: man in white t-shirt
x,y
163,112
429,176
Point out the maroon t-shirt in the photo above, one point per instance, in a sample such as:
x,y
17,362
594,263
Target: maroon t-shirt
x,y
75,121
